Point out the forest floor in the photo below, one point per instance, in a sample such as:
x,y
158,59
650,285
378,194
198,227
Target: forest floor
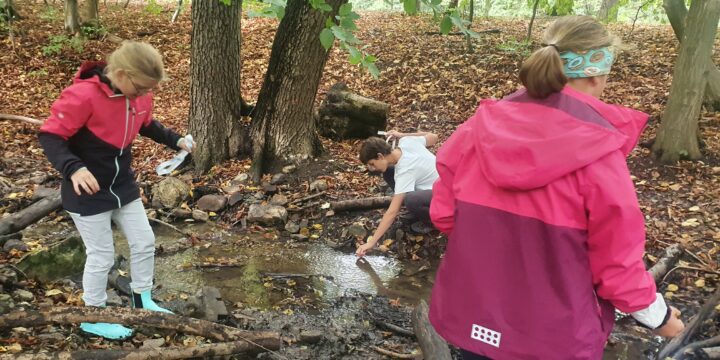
x,y
431,82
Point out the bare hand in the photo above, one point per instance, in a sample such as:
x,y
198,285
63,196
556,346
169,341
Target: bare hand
x,y
363,249
673,327
394,134
186,145
83,180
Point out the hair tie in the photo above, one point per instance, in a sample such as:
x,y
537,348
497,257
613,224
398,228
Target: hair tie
x,y
553,45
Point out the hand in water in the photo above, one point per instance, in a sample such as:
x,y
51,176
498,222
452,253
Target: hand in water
x,y
363,249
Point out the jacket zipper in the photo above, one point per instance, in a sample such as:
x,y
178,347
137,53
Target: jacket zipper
x,y
122,146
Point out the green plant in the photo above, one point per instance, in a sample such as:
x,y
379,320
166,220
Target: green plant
x,y
50,13
153,8
38,73
58,43
93,31
522,47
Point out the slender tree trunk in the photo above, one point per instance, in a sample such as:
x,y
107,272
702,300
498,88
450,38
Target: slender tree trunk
x,y
468,39
10,11
177,11
487,6
215,82
677,12
91,13
72,17
532,19
283,126
677,135
608,11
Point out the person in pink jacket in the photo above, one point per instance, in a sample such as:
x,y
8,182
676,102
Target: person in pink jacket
x,y
546,236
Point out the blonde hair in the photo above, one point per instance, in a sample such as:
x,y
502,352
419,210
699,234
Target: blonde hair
x,y
542,73
137,59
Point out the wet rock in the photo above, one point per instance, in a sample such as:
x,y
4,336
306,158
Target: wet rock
x,y
231,189
200,215
278,179
52,337
319,185
212,203
269,189
299,237
311,336
6,304
170,193
259,195
242,177
267,214
113,299
181,213
292,227
235,198
8,276
42,192
279,200
304,223
13,244
23,295
357,231
153,343
289,169
56,262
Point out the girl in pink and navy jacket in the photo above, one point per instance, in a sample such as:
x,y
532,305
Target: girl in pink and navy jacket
x,y
88,139
546,236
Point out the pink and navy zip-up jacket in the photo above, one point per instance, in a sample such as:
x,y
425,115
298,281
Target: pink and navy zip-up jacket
x,y
93,126
546,236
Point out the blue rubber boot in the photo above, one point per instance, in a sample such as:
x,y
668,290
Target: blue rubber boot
x,y
144,300
107,330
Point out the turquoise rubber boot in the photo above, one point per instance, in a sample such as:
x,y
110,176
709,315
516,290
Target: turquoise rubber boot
x,y
144,300
107,330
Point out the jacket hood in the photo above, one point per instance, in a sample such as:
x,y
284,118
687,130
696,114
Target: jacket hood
x,y
525,143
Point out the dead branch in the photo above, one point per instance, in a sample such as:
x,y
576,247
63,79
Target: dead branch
x,y
30,214
361,204
678,342
665,263
394,328
20,118
393,354
308,197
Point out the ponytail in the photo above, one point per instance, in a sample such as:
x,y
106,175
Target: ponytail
x,y
542,73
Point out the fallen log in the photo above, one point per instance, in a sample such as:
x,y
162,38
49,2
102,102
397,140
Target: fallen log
x,y
690,349
30,214
665,263
432,345
361,204
677,343
133,317
346,115
20,118
165,353
489,31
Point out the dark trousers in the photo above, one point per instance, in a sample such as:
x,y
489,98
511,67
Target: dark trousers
x,y
466,355
417,202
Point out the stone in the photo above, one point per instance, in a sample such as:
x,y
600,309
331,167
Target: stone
x,y
8,276
311,336
56,262
278,179
213,306
242,177
292,227
153,343
269,189
113,299
319,185
299,237
200,215
52,337
170,193
231,189
279,200
212,203
289,169
14,244
357,231
6,304
304,223
181,213
235,198
267,214
23,295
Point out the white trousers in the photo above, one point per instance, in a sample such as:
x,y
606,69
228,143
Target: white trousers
x,y
96,233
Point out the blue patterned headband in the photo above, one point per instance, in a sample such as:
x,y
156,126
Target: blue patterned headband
x,y
587,63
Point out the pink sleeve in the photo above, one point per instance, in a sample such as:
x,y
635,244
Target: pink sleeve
x,y
68,114
616,235
442,206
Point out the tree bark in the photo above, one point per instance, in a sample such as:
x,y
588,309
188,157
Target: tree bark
x,y
283,126
677,135
664,264
30,214
532,19
132,317
91,13
433,346
361,204
346,115
677,12
608,12
215,82
72,17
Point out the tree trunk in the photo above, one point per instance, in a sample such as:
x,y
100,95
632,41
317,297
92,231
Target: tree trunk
x,y
72,17
91,13
677,135
30,214
677,12
9,11
608,11
346,115
283,126
361,204
532,19
215,82
177,11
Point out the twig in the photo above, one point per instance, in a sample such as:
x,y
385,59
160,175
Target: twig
x,y
713,341
394,354
308,206
691,268
171,226
681,340
308,197
696,257
394,328
20,118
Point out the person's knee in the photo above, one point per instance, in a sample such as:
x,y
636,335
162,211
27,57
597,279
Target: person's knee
x,y
100,261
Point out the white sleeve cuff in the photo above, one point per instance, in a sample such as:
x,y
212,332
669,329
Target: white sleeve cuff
x,y
653,315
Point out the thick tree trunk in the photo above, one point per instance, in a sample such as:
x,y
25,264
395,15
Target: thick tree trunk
x,y
677,12
91,13
677,135
283,126
432,345
30,215
346,115
215,82
608,11
72,17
